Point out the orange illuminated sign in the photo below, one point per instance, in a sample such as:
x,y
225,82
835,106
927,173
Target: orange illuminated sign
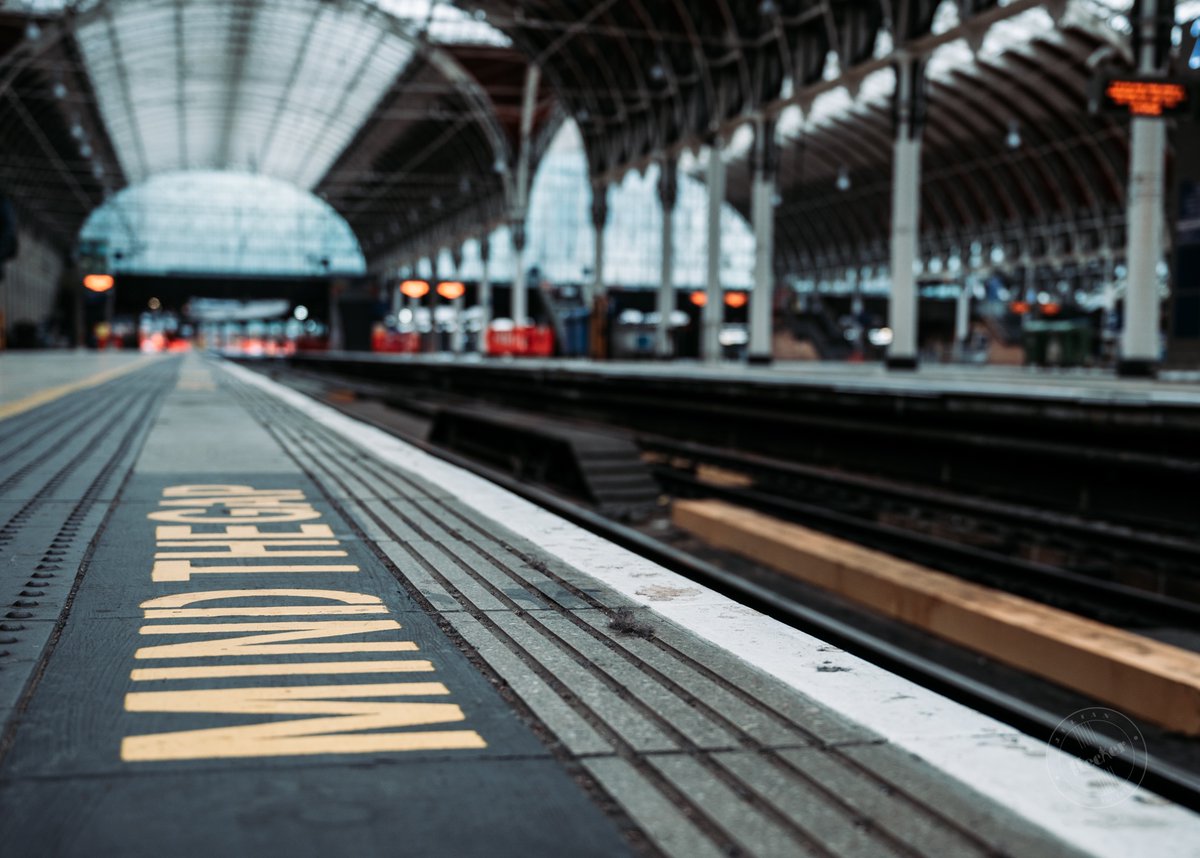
x,y
735,299
451,290
98,282
1019,307
699,298
1146,97
414,288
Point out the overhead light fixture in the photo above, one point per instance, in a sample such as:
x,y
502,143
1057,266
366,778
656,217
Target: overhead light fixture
x,y
1013,138
59,90
32,31
451,290
98,282
414,288
843,179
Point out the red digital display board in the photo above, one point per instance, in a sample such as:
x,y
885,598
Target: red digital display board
x,y
1144,97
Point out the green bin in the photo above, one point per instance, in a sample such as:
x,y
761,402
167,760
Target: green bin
x,y
1057,342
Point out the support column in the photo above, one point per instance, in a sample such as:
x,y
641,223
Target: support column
x,y
408,303
336,341
432,342
668,194
485,291
519,304
962,315
906,211
458,335
1139,354
597,299
714,308
599,221
762,209
520,296
1139,349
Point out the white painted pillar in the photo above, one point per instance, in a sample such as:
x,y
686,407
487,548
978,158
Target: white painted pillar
x,y
458,336
668,193
599,221
762,209
1139,347
520,293
714,308
599,345
906,204
431,301
1140,335
485,291
962,314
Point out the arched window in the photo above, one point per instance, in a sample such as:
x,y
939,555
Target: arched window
x,y
213,222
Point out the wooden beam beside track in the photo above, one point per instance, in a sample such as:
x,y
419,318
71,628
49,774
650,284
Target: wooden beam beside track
x,y
1141,677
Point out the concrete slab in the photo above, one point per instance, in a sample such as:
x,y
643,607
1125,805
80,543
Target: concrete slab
x,y
200,430
432,807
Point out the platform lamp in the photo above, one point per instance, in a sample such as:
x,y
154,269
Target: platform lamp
x,y
102,284
414,291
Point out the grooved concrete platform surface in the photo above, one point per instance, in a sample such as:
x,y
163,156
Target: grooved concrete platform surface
x,y
231,629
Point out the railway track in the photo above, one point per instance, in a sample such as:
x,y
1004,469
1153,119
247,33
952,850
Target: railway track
x,y
1106,571
676,464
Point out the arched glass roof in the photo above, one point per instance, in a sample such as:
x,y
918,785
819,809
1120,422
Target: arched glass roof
x,y
222,223
277,87
560,237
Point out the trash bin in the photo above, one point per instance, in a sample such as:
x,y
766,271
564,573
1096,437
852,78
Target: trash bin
x,y
1058,342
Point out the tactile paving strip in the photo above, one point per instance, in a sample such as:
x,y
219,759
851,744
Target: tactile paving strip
x,y
706,754
62,467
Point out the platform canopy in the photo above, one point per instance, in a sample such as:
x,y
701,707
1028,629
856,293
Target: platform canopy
x,y
397,112
1015,168
404,114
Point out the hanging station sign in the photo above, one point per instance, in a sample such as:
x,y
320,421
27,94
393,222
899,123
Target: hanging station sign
x,y
1140,96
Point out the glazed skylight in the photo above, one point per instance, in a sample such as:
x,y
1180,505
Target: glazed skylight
x,y
277,87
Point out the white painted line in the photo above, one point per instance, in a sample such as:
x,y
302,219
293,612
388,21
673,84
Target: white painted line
x,y
990,757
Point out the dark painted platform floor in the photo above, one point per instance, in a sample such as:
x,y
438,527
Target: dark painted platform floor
x,y
435,686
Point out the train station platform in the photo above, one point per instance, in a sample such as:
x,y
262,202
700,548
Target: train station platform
x,y
1036,384
237,622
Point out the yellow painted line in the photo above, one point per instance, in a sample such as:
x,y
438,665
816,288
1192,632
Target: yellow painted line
x,y
223,671
1152,680
20,406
